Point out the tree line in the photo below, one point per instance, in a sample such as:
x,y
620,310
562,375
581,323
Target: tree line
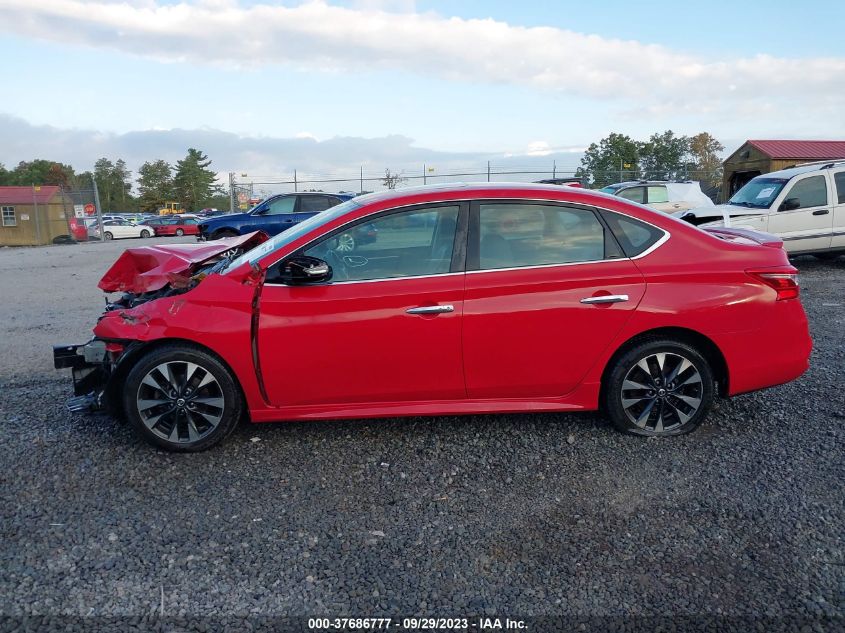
x,y
190,182
664,156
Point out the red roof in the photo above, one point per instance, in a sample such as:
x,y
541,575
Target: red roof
x,y
815,150
26,195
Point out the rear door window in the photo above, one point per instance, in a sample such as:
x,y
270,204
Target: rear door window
x,y
514,235
314,204
839,179
657,195
634,194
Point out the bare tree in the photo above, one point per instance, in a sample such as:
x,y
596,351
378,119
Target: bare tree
x,y
390,179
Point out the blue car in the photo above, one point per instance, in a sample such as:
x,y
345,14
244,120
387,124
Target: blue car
x,y
273,215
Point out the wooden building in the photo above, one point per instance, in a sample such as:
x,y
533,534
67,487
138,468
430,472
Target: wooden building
x,y
761,157
33,215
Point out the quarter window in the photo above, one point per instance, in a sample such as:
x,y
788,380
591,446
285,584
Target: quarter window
x,y
634,194
405,244
634,236
811,192
839,179
513,235
9,218
657,195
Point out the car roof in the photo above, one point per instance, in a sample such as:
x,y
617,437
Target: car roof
x,y
477,190
804,169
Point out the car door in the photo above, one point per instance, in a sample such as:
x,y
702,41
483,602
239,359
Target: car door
x,y
278,214
385,328
838,235
809,226
547,289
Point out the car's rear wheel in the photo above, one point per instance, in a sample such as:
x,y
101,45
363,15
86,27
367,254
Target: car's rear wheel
x,y
108,235
181,398
224,233
659,387
145,233
179,232
345,243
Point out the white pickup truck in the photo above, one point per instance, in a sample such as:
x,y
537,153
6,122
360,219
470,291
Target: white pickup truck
x,y
804,206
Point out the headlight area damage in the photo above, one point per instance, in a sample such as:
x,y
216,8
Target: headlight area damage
x,y
141,275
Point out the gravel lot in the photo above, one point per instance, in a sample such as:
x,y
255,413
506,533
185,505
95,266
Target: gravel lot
x,y
512,515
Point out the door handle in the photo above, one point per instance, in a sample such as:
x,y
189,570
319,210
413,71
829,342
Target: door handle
x,y
605,299
431,309
821,212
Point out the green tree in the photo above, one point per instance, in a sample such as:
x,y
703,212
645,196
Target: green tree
x,y
665,156
155,184
40,172
613,159
113,185
194,184
706,165
4,175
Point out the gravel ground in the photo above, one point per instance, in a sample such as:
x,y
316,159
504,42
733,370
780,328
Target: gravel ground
x,y
510,515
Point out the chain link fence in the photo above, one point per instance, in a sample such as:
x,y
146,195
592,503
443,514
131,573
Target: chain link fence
x,y
245,191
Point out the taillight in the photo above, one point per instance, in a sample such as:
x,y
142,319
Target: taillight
x,y
784,283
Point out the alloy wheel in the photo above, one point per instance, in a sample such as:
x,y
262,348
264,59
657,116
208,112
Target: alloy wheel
x,y
180,402
662,392
345,243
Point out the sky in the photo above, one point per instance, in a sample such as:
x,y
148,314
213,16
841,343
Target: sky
x,y
326,87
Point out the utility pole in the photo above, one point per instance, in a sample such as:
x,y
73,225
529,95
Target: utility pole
x,y
295,185
37,219
231,192
488,171
424,180
99,210
554,169
361,190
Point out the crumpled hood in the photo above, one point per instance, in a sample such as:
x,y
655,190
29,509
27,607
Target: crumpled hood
x,y
719,209
149,268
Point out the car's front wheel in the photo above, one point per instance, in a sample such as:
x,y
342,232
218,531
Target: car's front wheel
x,y
181,398
108,235
224,233
145,233
179,232
659,387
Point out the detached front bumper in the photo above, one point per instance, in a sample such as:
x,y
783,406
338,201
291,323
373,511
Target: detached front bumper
x,y
91,371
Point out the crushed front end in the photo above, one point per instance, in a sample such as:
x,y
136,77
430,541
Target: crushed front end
x,y
142,276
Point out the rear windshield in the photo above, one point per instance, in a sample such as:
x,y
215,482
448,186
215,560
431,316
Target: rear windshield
x,y
759,193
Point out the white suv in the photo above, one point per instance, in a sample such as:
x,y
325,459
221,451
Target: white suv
x,y
804,206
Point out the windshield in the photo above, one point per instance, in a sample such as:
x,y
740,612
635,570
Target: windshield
x,y
296,231
611,189
759,193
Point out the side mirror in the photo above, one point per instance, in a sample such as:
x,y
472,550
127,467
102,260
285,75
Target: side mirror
x,y
789,204
304,270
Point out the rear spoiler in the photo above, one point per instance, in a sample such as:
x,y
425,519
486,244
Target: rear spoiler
x,y
745,236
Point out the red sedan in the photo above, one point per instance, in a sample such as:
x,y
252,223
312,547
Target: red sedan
x,y
474,299
178,227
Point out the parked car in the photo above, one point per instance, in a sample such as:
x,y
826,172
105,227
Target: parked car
x,y
273,215
78,230
116,229
178,227
661,195
804,206
506,298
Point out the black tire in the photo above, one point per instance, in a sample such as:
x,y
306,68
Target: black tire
x,y
108,235
145,233
669,408
179,232
202,408
826,257
224,233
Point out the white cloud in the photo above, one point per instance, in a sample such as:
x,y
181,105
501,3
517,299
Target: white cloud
x,y
320,37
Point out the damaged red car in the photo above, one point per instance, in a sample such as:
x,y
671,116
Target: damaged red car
x,y
474,299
